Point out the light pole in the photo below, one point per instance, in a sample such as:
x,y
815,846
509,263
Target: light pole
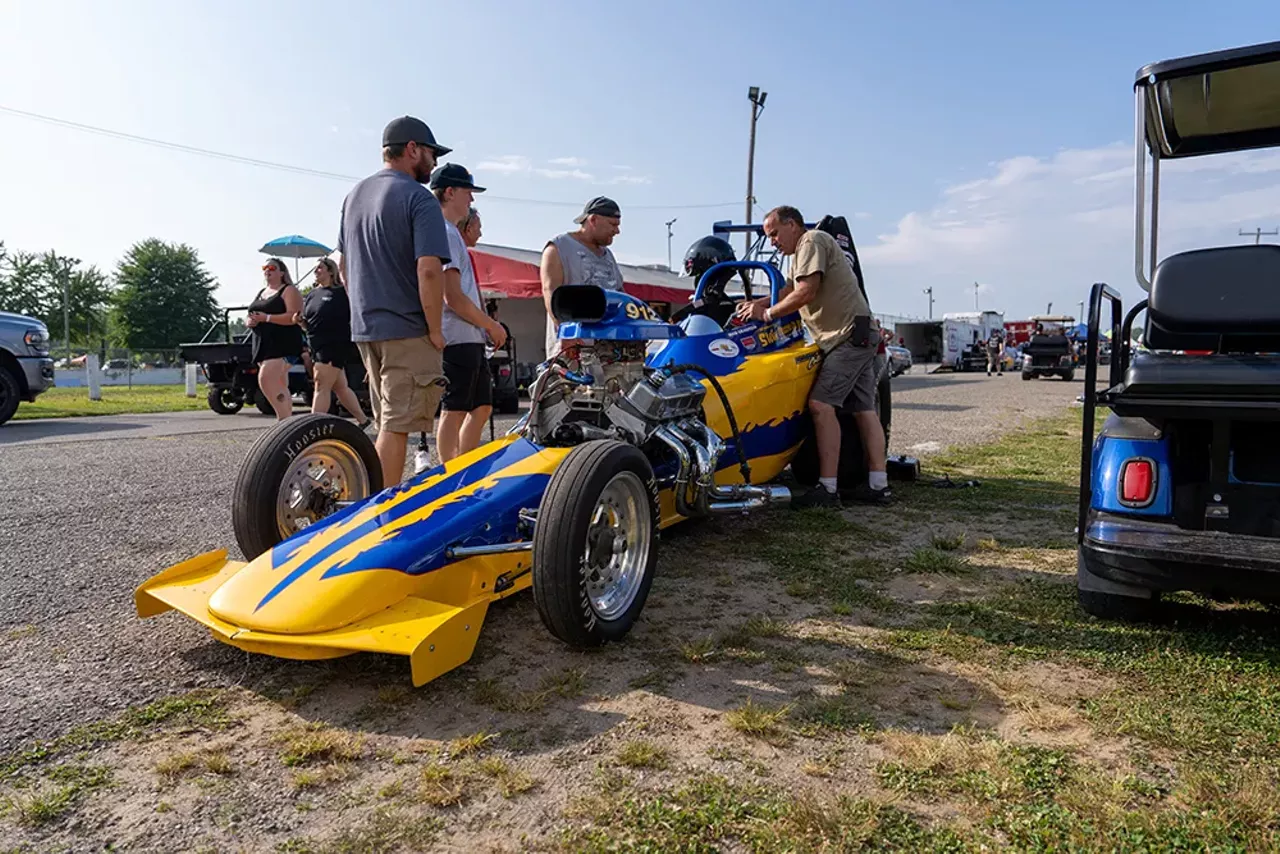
x,y
1081,314
975,296
669,224
929,291
757,106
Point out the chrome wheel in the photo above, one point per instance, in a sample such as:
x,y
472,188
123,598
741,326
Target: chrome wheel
x,y
324,477
618,543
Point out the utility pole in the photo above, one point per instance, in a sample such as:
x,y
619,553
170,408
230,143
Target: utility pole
x,y
1257,234
669,223
929,291
1080,316
757,106
1049,310
975,296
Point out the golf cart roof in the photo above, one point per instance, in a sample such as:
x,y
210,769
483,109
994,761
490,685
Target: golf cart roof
x,y
1213,103
1052,318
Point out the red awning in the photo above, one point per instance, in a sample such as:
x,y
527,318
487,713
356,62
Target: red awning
x,y
520,280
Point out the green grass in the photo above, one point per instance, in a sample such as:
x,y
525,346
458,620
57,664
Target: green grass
x,y
116,400
201,709
45,801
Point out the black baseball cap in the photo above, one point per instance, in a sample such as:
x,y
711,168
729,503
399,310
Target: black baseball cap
x,y
602,205
407,129
453,175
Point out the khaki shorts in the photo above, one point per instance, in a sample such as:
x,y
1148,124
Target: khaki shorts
x,y
406,382
847,378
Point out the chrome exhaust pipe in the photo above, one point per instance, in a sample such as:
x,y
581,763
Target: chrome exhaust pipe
x,y
704,469
678,447
744,499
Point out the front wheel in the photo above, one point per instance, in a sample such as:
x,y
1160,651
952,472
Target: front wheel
x,y
1069,375
297,473
10,394
595,543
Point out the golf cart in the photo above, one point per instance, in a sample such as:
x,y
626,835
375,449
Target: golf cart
x,y
1181,490
1049,352
233,377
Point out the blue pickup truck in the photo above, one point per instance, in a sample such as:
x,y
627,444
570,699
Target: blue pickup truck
x,y
25,367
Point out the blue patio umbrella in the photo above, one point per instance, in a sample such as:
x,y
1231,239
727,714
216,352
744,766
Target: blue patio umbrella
x,y
295,246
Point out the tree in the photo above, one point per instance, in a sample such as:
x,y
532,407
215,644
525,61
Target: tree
x,y
39,285
23,287
164,296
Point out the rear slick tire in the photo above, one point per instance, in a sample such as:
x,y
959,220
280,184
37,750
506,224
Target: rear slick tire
x,y
321,458
595,545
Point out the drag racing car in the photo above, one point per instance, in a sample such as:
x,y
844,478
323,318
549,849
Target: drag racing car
x,y
1181,489
641,425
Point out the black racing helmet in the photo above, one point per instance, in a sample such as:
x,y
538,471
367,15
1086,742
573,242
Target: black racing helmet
x,y
705,253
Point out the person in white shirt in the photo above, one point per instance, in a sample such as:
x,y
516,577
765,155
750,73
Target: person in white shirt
x,y
468,400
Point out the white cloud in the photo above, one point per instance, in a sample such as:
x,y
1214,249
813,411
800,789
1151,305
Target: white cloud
x,y
1036,229
630,179
567,161
558,174
506,163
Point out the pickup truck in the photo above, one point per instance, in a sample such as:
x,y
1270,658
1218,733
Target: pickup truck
x,y
25,367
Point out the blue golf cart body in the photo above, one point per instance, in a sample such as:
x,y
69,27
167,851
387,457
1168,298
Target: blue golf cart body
x,y
1180,489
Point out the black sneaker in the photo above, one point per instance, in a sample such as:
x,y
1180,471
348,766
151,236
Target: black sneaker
x,y
819,496
864,494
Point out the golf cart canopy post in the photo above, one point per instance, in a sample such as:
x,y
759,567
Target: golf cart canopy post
x,y
1211,103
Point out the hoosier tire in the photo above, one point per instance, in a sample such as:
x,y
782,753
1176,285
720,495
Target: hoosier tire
x,y
292,475
595,544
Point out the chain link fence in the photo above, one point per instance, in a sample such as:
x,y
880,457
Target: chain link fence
x,y
121,367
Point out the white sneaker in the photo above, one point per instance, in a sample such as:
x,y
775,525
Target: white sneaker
x,y
421,461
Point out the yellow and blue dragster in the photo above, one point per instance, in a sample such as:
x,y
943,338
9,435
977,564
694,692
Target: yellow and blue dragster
x,y
638,426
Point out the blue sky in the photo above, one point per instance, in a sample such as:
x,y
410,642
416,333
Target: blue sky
x,y
985,142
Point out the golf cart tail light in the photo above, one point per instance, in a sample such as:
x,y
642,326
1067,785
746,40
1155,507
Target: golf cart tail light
x,y
1137,483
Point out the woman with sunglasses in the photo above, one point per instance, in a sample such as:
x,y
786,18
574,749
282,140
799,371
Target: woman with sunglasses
x,y
327,317
275,335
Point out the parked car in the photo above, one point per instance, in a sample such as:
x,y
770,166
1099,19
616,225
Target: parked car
x,y
25,367
899,360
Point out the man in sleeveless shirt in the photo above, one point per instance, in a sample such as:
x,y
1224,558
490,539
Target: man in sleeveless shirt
x,y
394,247
822,286
581,257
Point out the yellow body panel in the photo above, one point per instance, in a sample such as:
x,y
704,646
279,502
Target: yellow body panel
x,y
433,617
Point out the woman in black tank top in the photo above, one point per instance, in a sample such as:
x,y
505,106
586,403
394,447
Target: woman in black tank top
x,y
275,335
326,315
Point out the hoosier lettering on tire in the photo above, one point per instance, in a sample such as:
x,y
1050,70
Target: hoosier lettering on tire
x,y
595,544
298,472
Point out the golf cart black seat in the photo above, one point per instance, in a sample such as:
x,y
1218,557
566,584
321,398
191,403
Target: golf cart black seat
x,y
1224,300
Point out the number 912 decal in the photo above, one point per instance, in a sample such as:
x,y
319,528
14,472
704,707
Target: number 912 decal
x,y
638,311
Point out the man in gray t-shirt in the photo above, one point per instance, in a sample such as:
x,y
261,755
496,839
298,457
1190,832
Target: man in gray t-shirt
x,y
581,257
394,247
469,399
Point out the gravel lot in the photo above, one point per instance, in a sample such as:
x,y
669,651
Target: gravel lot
x,y
95,506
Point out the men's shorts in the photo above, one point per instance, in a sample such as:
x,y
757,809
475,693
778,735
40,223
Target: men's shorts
x,y
847,378
470,383
406,382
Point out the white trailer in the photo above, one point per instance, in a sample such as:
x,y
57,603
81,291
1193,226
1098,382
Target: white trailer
x,y
942,342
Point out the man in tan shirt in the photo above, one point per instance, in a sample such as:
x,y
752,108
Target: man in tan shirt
x,y
824,289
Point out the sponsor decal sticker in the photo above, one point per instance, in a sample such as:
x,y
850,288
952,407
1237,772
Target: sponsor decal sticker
x,y
723,347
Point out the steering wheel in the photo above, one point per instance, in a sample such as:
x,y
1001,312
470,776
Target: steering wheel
x,y
774,275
